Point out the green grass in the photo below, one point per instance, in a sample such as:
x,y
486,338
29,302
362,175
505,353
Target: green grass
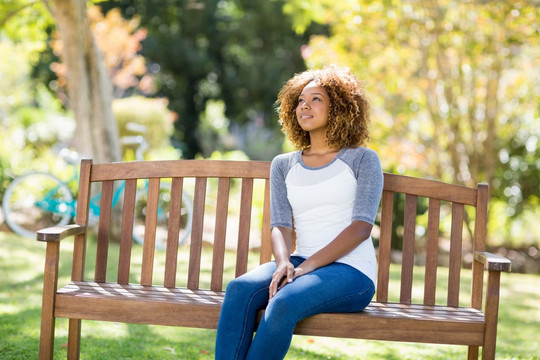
x,y
21,267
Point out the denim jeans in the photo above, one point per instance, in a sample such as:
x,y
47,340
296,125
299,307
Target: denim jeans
x,y
332,288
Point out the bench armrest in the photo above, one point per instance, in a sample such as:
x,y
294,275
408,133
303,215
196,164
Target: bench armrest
x,y
57,233
492,261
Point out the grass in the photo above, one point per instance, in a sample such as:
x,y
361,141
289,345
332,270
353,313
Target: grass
x,y
21,268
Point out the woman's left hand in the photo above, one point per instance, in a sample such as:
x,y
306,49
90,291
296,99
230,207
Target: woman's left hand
x,y
302,269
282,275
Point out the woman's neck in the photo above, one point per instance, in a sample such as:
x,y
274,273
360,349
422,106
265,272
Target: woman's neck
x,y
318,157
311,151
318,153
319,146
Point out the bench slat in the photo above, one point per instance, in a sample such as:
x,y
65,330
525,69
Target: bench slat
x,y
266,249
145,305
218,257
429,188
105,205
183,168
150,224
173,232
126,236
407,262
480,229
244,226
197,233
377,325
83,200
430,278
383,273
456,239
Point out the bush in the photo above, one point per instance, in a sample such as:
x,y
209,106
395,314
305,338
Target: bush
x,y
151,113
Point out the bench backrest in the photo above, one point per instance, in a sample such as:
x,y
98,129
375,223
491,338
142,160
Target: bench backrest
x,y
441,232
209,183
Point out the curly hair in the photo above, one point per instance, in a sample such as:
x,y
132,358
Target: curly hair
x,y
349,112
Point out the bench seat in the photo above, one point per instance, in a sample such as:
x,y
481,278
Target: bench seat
x,y
401,322
139,304
200,309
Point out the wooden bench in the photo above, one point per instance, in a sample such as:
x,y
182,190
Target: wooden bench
x,y
180,298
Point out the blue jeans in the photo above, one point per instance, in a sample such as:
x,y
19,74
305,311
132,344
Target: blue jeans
x,y
332,288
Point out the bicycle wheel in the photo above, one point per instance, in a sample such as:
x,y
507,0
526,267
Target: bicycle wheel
x,y
162,218
36,201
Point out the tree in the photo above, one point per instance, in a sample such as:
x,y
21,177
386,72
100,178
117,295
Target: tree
x,y
89,87
119,41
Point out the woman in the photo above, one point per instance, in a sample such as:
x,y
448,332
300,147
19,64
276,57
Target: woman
x,y
331,187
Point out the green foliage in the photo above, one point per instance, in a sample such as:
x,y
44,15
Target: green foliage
x,y
217,133
15,89
32,121
453,84
32,135
153,114
25,21
304,13
236,155
236,51
516,177
214,129
519,233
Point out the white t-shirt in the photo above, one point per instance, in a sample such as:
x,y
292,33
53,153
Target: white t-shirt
x,y
325,200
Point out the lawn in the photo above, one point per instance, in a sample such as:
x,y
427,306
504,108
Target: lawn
x,y
21,267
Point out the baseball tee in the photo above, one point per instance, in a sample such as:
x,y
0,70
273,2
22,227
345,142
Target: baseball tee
x,y
323,201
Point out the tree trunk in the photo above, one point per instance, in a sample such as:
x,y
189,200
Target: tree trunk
x,y
89,86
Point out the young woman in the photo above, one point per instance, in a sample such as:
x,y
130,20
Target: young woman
x,y
329,192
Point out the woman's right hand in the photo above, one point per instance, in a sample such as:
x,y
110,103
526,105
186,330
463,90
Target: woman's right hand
x,y
284,274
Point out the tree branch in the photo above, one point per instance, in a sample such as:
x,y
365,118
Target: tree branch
x,y
14,12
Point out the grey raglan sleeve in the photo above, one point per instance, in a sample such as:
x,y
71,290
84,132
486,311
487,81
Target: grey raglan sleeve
x,y
280,209
370,185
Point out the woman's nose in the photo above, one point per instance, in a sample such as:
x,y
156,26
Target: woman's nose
x,y
304,105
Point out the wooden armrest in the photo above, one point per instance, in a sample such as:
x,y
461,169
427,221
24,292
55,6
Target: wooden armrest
x,y
492,261
57,233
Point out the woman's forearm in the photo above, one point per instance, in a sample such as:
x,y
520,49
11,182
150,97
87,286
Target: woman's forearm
x,y
281,239
281,247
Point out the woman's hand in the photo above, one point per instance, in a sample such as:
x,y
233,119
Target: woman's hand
x,y
302,269
284,274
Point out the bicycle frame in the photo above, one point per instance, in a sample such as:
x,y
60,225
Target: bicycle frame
x,y
95,200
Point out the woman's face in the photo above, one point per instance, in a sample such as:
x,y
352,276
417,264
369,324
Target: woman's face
x,y
313,108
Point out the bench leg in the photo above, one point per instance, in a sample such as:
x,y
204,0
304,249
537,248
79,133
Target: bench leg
x,y
492,315
473,353
46,339
74,339
50,284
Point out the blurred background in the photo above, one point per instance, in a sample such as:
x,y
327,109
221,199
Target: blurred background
x,y
455,87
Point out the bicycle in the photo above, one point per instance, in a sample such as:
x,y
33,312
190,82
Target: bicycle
x,y
37,200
